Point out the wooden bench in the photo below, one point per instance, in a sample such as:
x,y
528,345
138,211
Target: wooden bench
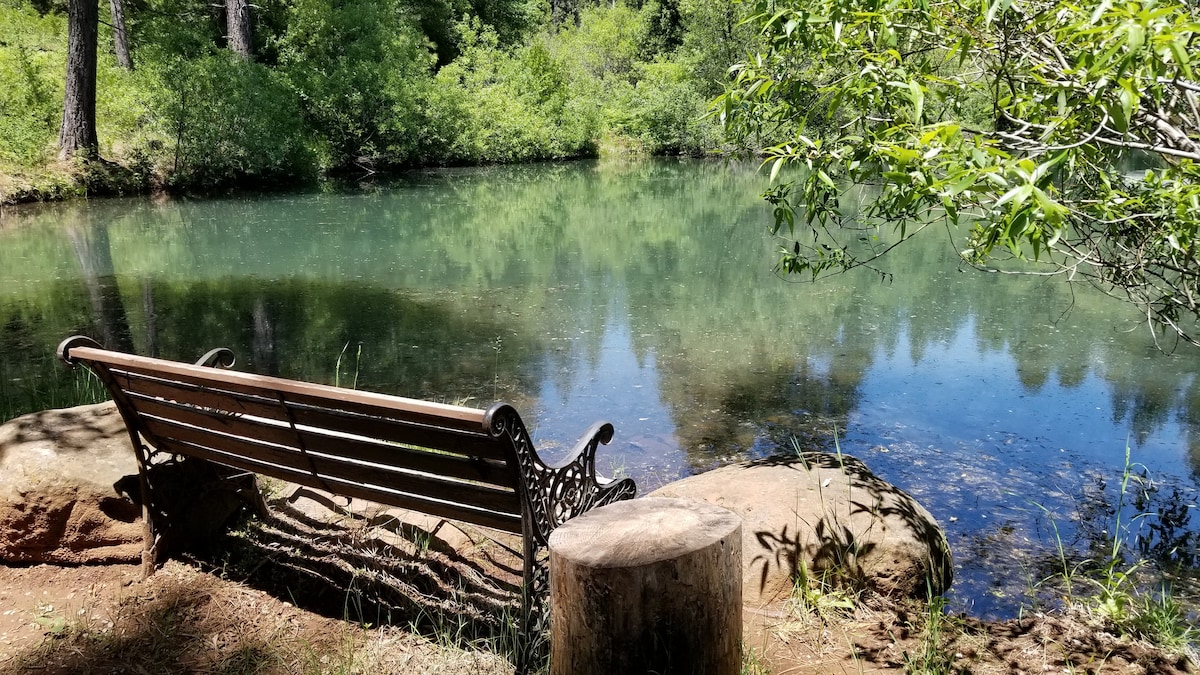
x,y
466,464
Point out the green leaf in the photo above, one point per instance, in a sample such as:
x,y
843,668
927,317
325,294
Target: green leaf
x,y
1018,195
1128,99
1058,231
997,7
779,162
917,96
1179,52
1120,120
1137,36
965,181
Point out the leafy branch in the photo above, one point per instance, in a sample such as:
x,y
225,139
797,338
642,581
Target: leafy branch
x,y
1012,120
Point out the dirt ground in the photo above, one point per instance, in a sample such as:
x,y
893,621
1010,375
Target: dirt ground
x,y
106,619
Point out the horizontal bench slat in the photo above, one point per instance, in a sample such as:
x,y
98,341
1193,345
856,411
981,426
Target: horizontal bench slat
x,y
466,419
500,521
364,449
168,432
471,444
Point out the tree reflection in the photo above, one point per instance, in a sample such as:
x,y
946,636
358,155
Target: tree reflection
x,y
436,268
89,238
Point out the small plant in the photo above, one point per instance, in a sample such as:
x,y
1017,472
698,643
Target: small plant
x,y
89,388
1117,598
497,345
1068,571
1116,582
819,597
752,662
932,658
51,621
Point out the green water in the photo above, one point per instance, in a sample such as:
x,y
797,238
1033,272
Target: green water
x,y
641,293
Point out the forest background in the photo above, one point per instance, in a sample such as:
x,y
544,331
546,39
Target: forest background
x,y
351,87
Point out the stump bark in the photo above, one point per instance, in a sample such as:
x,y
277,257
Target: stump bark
x,y
650,585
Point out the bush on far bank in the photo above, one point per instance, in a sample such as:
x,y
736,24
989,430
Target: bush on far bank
x,y
351,87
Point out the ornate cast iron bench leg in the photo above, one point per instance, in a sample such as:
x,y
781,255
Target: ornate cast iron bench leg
x,y
554,493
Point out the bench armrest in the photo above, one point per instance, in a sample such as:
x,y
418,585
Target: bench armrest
x,y
557,492
580,486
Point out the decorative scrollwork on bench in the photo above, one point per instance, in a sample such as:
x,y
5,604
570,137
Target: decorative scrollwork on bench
x,y
557,492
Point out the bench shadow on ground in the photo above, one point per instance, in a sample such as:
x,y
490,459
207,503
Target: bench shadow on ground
x,y
349,565
370,565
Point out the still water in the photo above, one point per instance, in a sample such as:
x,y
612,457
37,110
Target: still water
x,y
643,293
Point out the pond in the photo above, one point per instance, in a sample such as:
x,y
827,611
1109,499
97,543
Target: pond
x,y
643,293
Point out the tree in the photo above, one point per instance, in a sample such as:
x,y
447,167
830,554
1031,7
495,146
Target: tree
x,y
1011,122
77,135
120,35
237,23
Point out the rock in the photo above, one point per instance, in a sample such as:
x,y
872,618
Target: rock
x,y
69,524
86,445
830,513
57,502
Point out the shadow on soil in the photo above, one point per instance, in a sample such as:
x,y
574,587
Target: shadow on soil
x,y
457,588
454,586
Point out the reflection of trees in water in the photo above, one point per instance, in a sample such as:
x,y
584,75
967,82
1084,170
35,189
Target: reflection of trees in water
x,y
1190,420
542,249
777,403
412,346
1156,521
89,238
424,348
262,347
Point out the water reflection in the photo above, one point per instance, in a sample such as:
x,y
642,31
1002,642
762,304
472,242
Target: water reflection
x,y
641,293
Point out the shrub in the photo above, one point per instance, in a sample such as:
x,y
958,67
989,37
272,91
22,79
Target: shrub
x,y
361,70
225,120
665,113
492,105
31,68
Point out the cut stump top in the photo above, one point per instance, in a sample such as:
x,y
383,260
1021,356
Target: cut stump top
x,y
642,532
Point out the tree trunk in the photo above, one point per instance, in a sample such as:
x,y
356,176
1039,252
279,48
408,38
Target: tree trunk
x,y
650,585
237,25
77,135
120,36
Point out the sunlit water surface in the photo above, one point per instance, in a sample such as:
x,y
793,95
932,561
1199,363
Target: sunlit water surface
x,y
643,294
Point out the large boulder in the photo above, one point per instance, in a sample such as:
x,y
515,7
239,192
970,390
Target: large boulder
x,y
57,502
85,445
826,516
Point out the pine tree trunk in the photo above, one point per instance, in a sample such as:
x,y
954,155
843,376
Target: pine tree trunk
x,y
120,36
77,135
237,25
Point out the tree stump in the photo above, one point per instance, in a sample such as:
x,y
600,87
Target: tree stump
x,y
650,585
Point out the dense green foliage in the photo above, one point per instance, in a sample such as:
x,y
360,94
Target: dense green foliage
x,y
361,86
1014,119
31,64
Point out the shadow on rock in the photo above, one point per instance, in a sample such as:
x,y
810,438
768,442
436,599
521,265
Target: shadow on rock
x,y
825,515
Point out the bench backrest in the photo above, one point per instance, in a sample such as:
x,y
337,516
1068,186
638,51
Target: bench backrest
x,y
444,460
